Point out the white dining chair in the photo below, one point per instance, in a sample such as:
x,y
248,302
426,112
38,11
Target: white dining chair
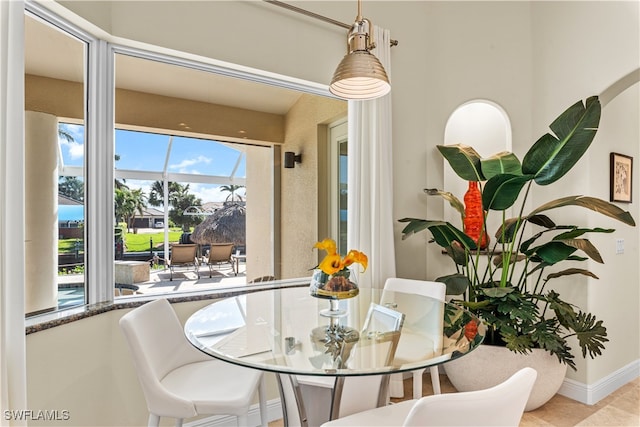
x,y
349,395
502,405
435,317
178,380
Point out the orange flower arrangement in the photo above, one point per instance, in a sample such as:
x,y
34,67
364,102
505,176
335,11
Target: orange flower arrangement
x,y
332,280
334,263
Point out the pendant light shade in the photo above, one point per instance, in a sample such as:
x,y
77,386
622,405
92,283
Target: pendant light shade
x,y
360,75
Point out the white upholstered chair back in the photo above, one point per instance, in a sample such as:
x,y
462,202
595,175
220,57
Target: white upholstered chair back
x,y
432,319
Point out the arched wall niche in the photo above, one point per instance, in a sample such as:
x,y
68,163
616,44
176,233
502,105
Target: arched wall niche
x,y
483,125
619,86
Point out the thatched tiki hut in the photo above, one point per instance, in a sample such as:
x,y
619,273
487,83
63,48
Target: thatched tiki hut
x,y
226,225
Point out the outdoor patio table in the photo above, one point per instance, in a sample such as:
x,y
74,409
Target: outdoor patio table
x,y
282,330
235,262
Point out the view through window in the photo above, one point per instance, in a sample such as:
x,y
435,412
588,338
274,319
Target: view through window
x,y
204,179
196,160
144,220
71,215
55,87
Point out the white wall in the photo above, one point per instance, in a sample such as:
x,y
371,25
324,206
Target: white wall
x,y
580,49
472,50
259,217
532,59
615,297
88,372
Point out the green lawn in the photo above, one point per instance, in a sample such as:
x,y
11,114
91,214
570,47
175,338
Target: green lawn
x,y
67,245
142,242
133,242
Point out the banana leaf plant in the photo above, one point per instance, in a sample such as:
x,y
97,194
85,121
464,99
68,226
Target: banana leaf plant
x,y
509,290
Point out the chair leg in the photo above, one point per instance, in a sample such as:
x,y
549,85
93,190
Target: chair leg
x,y
262,398
417,383
154,420
243,420
396,386
435,379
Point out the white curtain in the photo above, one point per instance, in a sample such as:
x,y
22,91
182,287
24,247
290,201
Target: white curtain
x,y
370,178
13,395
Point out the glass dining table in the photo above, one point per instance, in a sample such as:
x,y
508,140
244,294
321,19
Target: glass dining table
x,y
291,333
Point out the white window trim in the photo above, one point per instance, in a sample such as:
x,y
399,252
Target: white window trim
x,y
100,128
337,134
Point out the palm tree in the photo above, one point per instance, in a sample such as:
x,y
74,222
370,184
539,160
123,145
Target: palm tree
x,y
71,187
64,134
232,188
156,193
138,202
118,183
127,203
180,202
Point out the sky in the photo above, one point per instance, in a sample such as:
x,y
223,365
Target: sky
x,y
142,151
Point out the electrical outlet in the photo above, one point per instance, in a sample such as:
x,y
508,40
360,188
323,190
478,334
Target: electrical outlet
x,y
619,246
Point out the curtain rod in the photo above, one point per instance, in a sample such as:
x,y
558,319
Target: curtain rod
x,y
316,16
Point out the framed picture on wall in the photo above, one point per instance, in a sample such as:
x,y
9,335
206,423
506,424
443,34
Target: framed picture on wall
x,y
621,169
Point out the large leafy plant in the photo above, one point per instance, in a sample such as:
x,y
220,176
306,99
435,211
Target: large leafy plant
x,y
509,290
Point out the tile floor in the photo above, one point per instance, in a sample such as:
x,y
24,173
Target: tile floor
x,y
619,409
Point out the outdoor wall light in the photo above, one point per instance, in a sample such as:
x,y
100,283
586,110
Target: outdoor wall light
x,y
290,159
360,75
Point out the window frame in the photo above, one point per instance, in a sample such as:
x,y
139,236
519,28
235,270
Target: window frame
x,y
100,127
93,138
338,134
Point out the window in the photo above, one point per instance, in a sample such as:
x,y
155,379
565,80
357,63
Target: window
x,y
140,119
338,147
55,88
211,156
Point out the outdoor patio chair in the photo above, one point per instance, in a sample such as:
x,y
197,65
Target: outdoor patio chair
x,y
219,253
183,256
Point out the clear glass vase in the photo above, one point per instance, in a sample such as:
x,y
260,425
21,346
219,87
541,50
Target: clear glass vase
x,y
340,285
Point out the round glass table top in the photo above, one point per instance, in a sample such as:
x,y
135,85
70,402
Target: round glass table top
x,y
287,330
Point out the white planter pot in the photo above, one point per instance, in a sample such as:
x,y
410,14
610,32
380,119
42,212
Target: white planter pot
x,y
489,365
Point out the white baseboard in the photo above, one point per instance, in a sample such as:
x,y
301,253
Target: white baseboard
x,y
593,393
274,412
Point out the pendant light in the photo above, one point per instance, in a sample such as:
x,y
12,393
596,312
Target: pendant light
x,y
360,75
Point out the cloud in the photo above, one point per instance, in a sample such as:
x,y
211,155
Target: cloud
x,y
183,166
208,193
75,149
